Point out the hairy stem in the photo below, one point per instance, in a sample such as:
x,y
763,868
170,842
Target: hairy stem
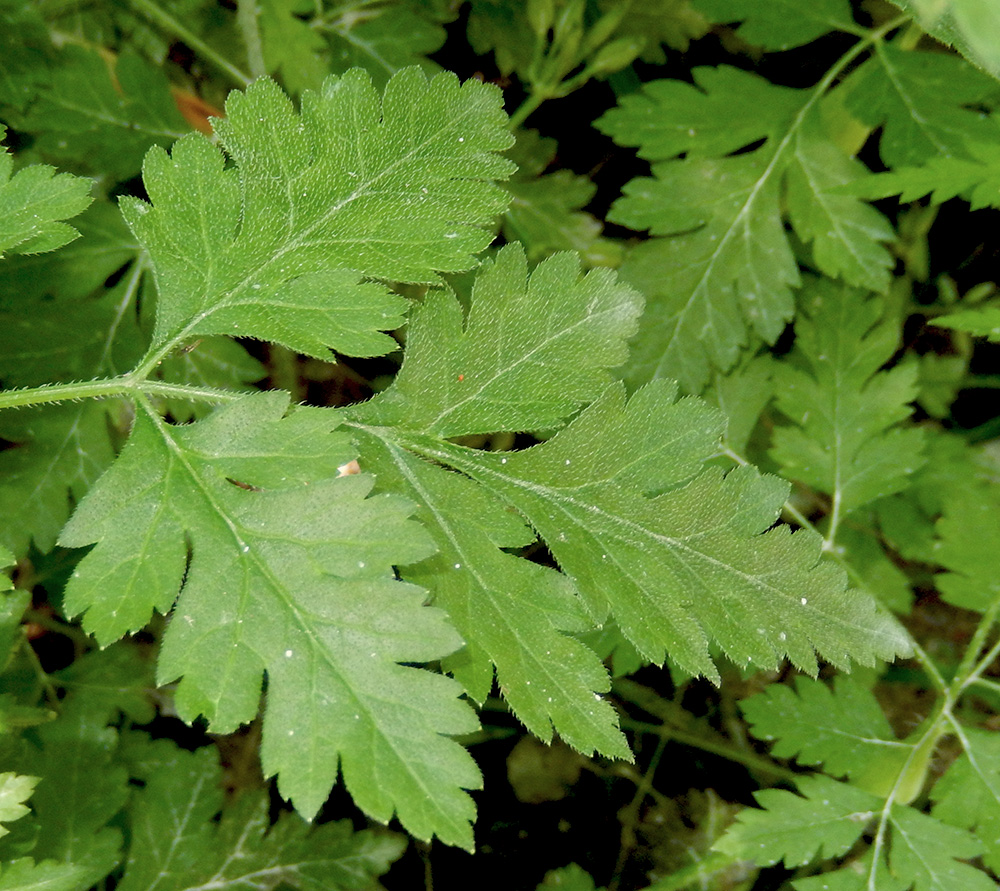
x,y
105,388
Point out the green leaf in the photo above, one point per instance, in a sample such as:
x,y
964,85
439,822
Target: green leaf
x,y
845,439
924,854
33,203
842,728
277,566
292,48
781,24
970,26
969,536
14,791
975,176
721,270
927,854
824,821
76,270
968,795
80,790
386,39
102,117
570,878
506,367
658,24
709,570
177,844
58,453
276,245
545,210
982,321
500,370
926,103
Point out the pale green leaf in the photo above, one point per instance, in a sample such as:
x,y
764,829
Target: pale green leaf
x,y
845,439
971,26
842,728
15,789
982,321
510,366
975,176
824,821
781,24
276,245
177,844
721,270
688,566
33,203
926,103
278,567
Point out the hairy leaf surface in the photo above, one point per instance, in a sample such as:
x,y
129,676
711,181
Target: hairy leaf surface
x,y
353,187
502,369
278,567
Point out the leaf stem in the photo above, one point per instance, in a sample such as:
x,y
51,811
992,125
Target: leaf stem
x,y
105,388
247,13
169,24
748,759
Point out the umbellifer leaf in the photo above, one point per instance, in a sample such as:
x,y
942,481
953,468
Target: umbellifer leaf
x,y
279,567
177,844
352,187
34,202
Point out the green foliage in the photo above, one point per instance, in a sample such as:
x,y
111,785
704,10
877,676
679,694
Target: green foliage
x,y
846,440
730,266
306,477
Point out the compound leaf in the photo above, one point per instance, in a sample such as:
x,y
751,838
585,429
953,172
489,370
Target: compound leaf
x,y
709,570
824,821
846,440
505,368
34,202
781,24
353,187
928,104
177,844
103,118
721,268
279,567
843,728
